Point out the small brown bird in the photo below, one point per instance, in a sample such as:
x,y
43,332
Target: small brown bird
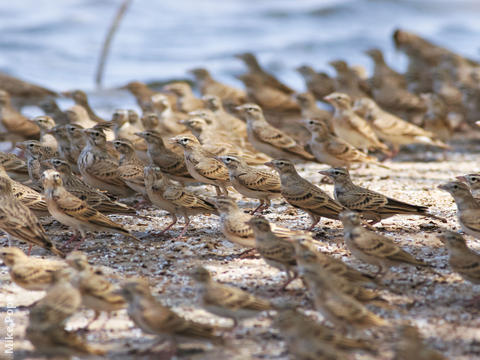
x,y
392,129
32,199
332,150
100,169
276,252
174,198
468,209
230,96
382,72
372,205
74,212
348,80
20,223
34,274
45,124
307,252
436,118
15,167
202,164
80,98
36,153
227,121
186,100
93,197
47,319
65,146
252,182
57,342
51,108
473,181
295,326
97,292
351,127
61,301
269,140
153,318
227,301
373,248
13,125
310,109
319,84
462,259
23,92
302,194
78,115
77,140
411,346
233,223
267,79
343,311
131,167
172,163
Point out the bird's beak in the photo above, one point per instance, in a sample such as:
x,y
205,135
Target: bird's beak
x,y
324,172
442,187
20,146
269,164
327,98
461,178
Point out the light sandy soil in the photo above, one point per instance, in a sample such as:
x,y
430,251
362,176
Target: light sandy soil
x,y
437,305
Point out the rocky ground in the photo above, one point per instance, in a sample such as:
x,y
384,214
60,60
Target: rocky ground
x,y
437,304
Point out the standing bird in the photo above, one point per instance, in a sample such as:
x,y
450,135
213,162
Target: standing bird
x,y
171,162
473,181
227,301
269,140
373,248
14,126
382,72
319,84
392,129
351,127
23,92
45,124
186,100
411,346
92,196
202,164
267,79
80,98
371,204
276,252
310,109
131,167
330,149
461,259
230,96
302,194
468,209
174,198
19,222
51,108
74,212
153,318
34,274
252,182
100,169
15,167
97,292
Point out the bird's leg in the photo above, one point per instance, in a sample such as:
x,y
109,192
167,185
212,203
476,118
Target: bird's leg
x,y
248,254
262,204
95,317
289,280
72,238
217,190
81,241
174,221
184,230
315,221
29,249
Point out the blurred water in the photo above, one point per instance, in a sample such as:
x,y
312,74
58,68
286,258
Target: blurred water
x,y
57,43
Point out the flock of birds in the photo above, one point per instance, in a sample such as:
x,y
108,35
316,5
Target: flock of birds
x,y
77,166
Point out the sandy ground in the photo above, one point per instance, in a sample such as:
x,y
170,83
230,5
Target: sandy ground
x,y
437,305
